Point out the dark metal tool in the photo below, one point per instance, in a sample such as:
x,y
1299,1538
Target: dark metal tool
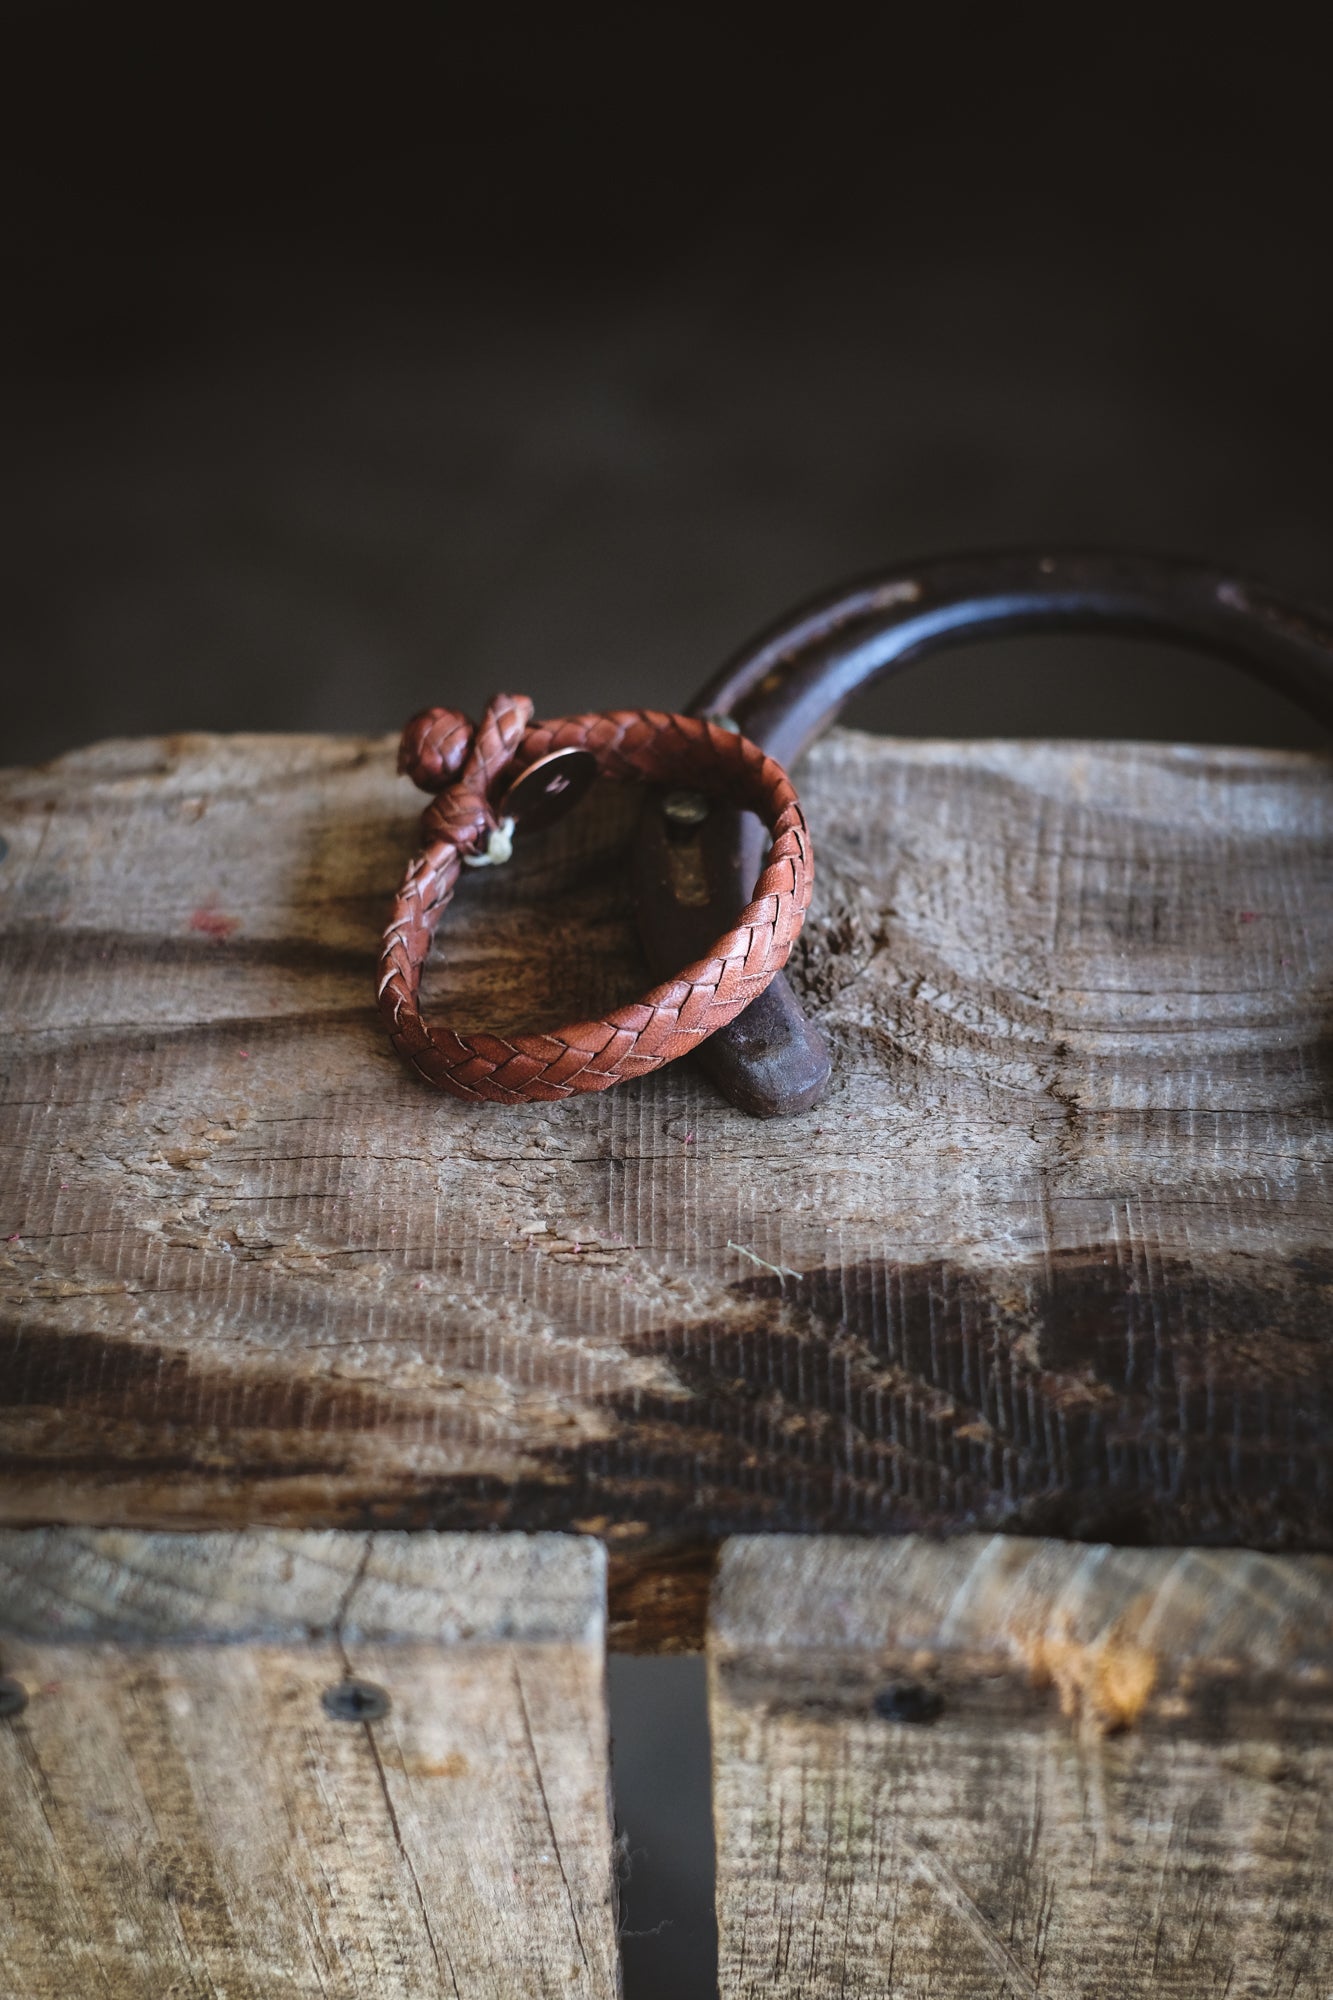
x,y
696,863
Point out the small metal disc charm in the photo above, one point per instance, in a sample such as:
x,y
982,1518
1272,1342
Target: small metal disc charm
x,y
547,789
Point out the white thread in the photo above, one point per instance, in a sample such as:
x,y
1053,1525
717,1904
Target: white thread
x,y
499,847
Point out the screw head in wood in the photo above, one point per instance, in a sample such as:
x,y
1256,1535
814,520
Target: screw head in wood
x,y
355,1701
908,1701
548,789
13,1696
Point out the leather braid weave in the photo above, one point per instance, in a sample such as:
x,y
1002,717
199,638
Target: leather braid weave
x,y
443,753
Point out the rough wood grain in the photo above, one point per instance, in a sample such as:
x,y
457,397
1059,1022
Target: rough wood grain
x,y
181,1816
1127,1790
1053,1255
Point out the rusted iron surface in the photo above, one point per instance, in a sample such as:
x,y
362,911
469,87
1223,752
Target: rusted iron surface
x,y
792,682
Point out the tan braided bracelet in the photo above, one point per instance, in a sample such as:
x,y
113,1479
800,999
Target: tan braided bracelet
x,y
525,767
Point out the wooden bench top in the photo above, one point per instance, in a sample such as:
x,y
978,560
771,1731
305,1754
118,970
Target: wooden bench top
x,y
1054,1254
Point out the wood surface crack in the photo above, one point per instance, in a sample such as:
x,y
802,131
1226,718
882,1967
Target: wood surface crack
x,y
401,1845
345,1603
937,1872
546,1808
339,1623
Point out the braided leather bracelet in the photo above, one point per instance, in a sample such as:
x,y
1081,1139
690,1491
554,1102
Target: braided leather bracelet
x,y
548,766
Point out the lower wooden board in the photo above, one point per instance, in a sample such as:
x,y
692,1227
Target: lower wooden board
x,y
1009,1768
183,1817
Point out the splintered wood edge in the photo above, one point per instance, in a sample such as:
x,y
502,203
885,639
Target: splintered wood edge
x,y
277,1585
1106,1626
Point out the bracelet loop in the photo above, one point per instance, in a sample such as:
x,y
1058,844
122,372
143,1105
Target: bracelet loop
x,y
467,822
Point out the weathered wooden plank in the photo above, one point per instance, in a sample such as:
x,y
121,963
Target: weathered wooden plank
x,y
1005,1767
1053,1255
183,1816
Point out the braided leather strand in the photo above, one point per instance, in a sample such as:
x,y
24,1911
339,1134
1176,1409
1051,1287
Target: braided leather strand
x,y
443,753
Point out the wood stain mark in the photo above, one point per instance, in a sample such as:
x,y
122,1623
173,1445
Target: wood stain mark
x,y
212,923
1069,1399
1076,1397
166,1388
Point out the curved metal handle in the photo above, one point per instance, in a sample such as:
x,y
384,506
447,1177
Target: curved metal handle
x,y
790,683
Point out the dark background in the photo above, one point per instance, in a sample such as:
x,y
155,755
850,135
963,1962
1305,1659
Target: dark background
x,y
353,364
